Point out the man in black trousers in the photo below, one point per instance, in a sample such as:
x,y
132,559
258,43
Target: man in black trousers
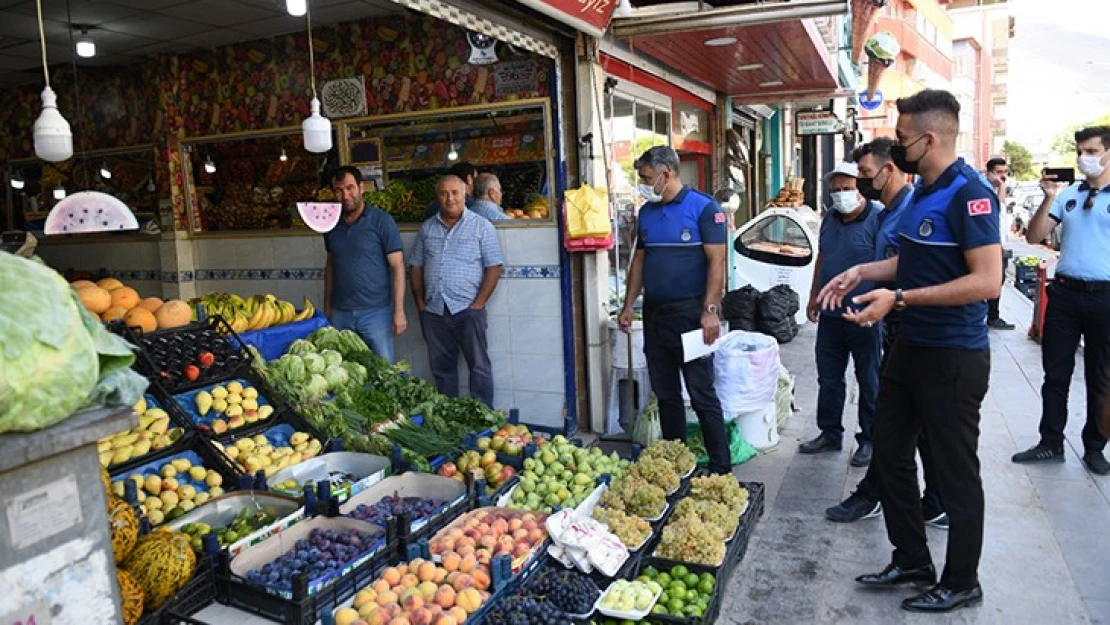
x,y
949,263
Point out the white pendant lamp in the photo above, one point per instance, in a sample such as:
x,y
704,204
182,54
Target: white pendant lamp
x,y
209,166
53,137
105,173
316,128
59,192
296,8
17,181
85,46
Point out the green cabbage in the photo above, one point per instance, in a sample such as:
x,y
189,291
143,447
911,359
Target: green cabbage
x,y
317,387
314,363
331,357
301,346
55,359
326,338
336,376
356,372
352,343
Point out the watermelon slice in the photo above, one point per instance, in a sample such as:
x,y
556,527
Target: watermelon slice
x,y
89,211
320,216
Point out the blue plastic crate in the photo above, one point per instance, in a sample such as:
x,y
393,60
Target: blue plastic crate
x,y
187,402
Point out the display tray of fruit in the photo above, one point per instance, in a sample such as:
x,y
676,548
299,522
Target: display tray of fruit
x,y
154,433
486,532
223,407
561,474
676,453
189,357
239,519
270,449
629,600
689,594
656,471
426,499
349,473
634,496
321,549
699,530
479,466
510,442
420,591
177,480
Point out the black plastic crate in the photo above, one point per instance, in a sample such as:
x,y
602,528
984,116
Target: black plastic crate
x,y
303,609
1028,289
164,354
713,608
1025,273
198,594
626,448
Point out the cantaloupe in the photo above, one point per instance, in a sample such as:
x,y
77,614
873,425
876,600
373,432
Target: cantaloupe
x,y
109,283
131,597
162,563
173,314
151,304
80,284
142,318
95,299
114,313
124,297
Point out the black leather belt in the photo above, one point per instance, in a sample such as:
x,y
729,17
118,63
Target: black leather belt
x,y
1086,286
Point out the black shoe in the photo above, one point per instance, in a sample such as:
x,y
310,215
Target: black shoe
x,y
1096,462
1039,453
854,508
999,324
938,520
925,575
862,457
823,442
940,598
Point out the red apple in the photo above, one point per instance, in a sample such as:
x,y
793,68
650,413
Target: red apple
x,y
448,469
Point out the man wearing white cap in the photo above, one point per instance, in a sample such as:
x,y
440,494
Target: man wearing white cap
x,y
847,238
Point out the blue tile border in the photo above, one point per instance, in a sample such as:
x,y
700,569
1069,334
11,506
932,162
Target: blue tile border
x,y
531,271
512,272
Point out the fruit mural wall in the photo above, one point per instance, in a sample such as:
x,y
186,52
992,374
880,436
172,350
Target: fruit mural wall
x,y
410,63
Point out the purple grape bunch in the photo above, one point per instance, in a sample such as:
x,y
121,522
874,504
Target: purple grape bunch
x,y
392,505
323,552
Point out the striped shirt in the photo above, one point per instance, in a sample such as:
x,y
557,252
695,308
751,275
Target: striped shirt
x,y
454,260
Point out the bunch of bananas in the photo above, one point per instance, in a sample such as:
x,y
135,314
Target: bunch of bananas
x,y
256,312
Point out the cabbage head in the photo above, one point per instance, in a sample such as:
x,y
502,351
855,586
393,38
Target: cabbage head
x,y
317,387
356,372
314,363
48,358
336,376
331,357
352,343
301,346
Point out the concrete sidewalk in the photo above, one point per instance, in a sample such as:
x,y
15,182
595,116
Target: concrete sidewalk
x,y
1046,557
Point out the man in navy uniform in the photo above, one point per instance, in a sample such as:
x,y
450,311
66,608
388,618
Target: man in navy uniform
x,y
1078,301
847,238
949,264
881,180
680,266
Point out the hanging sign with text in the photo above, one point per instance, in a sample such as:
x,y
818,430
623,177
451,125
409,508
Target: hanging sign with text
x,y
818,123
588,16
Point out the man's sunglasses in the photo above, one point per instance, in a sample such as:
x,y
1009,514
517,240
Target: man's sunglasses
x,y
1092,193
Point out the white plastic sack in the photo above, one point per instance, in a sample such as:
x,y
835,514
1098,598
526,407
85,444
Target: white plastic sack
x,y
747,372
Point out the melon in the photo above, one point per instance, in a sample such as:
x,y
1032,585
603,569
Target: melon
x,y
125,297
109,283
141,318
320,216
130,597
114,313
151,304
162,563
95,299
80,284
123,524
89,211
174,313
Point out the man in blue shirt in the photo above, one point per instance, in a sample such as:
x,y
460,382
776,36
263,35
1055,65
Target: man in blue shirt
x,y
949,263
680,266
847,238
1078,301
881,180
463,171
364,278
456,264
487,198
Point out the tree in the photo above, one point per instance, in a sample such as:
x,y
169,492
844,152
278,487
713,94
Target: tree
x,y
1063,143
1020,160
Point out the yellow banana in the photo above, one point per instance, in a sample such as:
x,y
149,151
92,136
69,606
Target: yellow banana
x,y
255,321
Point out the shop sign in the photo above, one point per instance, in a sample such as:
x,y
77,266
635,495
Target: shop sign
x,y
818,123
344,97
588,16
515,78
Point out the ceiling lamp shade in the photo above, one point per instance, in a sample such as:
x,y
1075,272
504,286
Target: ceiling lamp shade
x,y
209,166
85,46
59,192
53,137
317,130
296,8
17,181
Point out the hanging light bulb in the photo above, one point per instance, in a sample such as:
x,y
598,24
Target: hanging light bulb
x,y
85,46
53,138
453,155
296,8
105,173
150,185
283,156
59,192
209,165
17,181
316,128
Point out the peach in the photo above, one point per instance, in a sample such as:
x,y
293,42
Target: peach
x,y
471,523
445,619
528,516
345,616
412,600
484,558
387,597
455,533
521,549
400,620
428,589
500,526
440,575
413,565
463,581
434,608
392,576
459,614
481,579
530,525
470,600
451,561
515,525
380,585
421,616
364,596
426,572
446,544
408,580
466,541
467,550
445,597
487,541
369,611
520,533
377,616
536,536
468,563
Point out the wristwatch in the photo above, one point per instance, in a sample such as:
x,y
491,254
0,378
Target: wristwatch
x,y
899,300
712,309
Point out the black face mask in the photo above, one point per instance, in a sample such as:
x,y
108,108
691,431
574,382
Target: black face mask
x,y
867,188
898,155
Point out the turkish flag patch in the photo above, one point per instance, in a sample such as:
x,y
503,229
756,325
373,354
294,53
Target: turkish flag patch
x,y
720,217
979,207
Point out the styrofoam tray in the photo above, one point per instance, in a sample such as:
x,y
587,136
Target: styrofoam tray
x,y
689,472
410,484
662,513
222,510
368,468
630,616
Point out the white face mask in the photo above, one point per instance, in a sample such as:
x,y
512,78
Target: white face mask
x,y
648,192
845,202
1090,165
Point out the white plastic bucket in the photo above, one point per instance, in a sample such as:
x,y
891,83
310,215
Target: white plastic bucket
x,y
618,344
760,427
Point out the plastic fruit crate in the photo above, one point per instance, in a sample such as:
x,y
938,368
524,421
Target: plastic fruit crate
x,y
164,354
198,594
277,429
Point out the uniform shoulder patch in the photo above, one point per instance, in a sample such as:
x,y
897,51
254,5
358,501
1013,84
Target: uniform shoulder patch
x,y
979,207
718,218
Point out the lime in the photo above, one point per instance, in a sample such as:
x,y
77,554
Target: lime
x,y
679,572
697,611
665,597
664,579
692,594
659,609
678,588
691,580
650,572
705,586
708,577
675,606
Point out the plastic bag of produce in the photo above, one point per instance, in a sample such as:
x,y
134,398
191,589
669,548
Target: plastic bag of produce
x,y
776,313
646,429
740,450
55,359
747,371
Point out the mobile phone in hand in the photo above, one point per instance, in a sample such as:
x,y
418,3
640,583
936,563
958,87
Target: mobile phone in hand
x,y
1060,174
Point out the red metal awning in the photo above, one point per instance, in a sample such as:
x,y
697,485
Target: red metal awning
x,y
764,52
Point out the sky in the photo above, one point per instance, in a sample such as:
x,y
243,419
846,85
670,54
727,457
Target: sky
x,y
1059,68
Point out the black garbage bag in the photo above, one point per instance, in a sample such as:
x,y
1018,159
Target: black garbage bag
x,y
740,308
777,308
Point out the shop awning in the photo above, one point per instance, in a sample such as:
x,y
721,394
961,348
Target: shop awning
x,y
749,51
